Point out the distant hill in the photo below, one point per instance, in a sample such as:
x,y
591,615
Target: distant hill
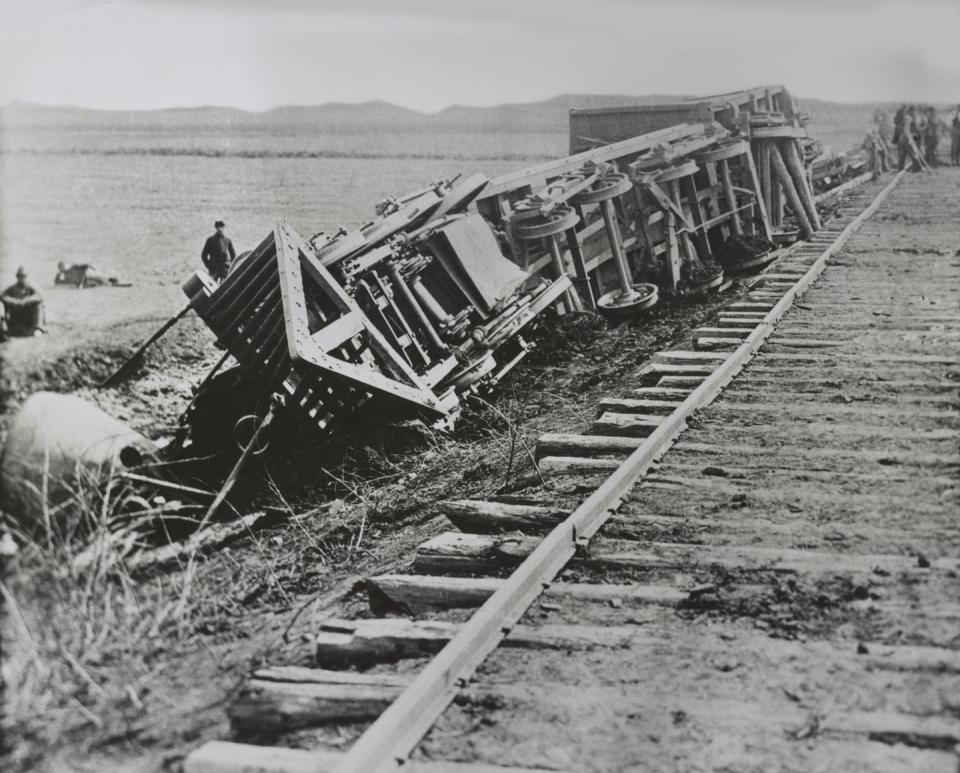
x,y
549,115
842,124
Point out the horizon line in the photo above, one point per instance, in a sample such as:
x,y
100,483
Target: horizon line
x,y
388,103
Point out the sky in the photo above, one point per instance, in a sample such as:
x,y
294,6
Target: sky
x,y
427,54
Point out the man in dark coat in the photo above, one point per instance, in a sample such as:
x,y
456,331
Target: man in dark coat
x,y
218,253
955,137
22,308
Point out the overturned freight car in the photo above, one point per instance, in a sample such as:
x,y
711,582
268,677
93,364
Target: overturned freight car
x,y
401,318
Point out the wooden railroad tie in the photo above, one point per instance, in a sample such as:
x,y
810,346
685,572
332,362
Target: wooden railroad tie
x,y
458,553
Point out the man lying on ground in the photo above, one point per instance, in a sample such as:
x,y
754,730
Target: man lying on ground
x,y
83,275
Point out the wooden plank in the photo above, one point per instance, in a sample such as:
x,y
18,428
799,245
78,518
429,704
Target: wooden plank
x,y
565,444
625,424
749,306
660,393
664,369
716,344
229,757
746,450
912,658
211,537
535,174
471,515
861,411
803,343
479,517
737,323
576,465
420,593
455,553
675,382
363,643
633,405
686,358
927,732
288,698
789,276
837,357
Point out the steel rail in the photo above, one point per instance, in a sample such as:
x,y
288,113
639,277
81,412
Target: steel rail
x,y
389,741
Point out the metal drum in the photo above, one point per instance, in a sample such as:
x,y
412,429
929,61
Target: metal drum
x,y
57,446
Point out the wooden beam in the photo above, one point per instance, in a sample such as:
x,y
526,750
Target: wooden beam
x,y
567,444
625,424
455,553
790,191
471,515
420,593
363,643
228,757
282,699
633,146
633,405
576,465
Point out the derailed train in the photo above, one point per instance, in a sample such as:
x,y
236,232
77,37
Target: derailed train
x,y
407,315
400,318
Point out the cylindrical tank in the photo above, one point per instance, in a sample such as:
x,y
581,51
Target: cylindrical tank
x,y
58,445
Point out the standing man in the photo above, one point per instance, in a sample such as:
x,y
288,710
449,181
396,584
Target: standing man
x,y
955,137
931,136
218,253
22,307
898,119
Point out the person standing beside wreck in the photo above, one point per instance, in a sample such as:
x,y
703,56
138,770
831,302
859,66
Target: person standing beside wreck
x,y
955,137
218,253
931,135
22,308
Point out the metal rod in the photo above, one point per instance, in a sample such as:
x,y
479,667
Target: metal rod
x,y
430,303
135,357
572,298
248,451
613,235
394,272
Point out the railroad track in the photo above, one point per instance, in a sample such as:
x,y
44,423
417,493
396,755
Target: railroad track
x,y
778,592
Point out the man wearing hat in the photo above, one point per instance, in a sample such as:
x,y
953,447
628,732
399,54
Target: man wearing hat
x,y
22,307
218,253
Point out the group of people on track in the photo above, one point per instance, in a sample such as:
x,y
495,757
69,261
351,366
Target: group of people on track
x,y
916,133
